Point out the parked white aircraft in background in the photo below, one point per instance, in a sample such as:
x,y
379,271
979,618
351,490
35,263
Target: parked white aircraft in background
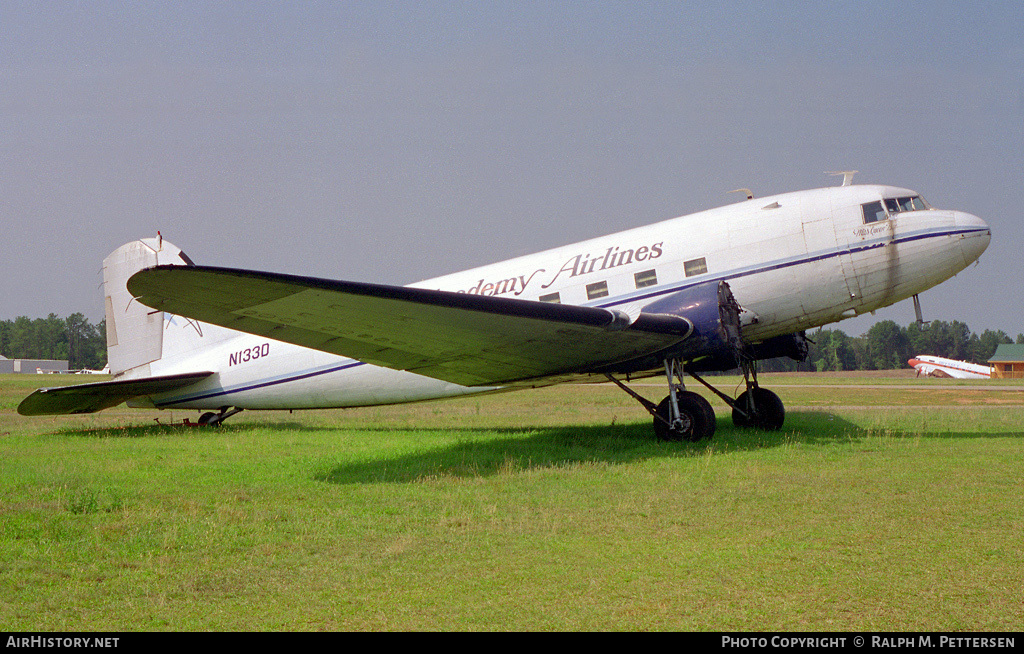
x,y
88,371
83,371
939,367
715,290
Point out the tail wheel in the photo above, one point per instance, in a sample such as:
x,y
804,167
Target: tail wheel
x,y
765,408
216,419
696,418
209,418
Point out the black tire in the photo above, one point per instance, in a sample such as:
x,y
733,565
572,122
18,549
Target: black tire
x,y
209,418
709,415
769,412
696,413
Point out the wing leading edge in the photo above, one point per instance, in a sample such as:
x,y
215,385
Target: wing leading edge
x,y
466,339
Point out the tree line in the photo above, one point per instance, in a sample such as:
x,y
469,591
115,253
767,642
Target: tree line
x,y
887,346
74,338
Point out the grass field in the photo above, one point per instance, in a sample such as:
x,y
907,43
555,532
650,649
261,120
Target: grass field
x,y
881,505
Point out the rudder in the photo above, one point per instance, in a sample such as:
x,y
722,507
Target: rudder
x,y
134,331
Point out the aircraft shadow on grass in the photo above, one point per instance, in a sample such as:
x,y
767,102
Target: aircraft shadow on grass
x,y
533,448
554,447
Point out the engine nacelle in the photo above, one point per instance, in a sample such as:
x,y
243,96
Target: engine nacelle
x,y
795,346
706,316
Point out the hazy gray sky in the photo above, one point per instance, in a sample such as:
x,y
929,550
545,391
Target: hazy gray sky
x,y
393,142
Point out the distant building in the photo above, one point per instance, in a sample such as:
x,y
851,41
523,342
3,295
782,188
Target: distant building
x,y
32,366
1008,362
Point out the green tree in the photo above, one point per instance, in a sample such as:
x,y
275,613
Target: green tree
x,y
5,338
79,334
930,338
887,346
987,343
73,338
23,341
52,337
833,349
94,351
960,334
939,339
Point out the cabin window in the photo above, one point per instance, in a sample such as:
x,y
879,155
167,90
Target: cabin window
x,y
646,278
695,267
873,212
551,297
596,290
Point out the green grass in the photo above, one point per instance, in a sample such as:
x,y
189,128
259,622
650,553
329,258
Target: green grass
x,y
541,510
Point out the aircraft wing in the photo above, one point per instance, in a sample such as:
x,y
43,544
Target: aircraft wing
x,y
941,371
87,398
467,339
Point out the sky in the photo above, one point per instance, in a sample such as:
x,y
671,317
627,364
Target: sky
x,y
396,141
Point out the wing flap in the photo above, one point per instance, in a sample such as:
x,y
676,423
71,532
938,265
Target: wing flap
x,y
466,339
89,398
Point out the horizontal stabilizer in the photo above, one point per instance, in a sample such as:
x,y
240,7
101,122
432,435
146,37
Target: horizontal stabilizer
x,y
88,398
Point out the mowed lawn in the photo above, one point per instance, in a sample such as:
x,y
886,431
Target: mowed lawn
x,y
553,509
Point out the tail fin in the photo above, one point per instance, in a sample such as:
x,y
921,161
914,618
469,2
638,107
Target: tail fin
x,y
136,339
135,333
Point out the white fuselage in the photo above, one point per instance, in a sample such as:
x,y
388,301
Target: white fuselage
x,y
941,367
793,261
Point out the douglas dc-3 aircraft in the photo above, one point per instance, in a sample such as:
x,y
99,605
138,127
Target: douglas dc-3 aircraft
x,y
940,367
715,290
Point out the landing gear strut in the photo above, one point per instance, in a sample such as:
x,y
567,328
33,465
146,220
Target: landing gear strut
x,y
757,407
686,416
211,419
683,415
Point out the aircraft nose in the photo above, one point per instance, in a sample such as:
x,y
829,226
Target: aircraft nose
x,y
976,235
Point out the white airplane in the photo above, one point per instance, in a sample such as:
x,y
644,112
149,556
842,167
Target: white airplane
x,y
83,371
940,367
105,370
714,290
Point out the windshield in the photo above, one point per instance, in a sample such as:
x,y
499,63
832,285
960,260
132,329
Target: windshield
x,y
874,211
913,203
910,203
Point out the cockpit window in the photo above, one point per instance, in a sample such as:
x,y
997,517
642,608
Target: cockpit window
x,y
875,211
914,203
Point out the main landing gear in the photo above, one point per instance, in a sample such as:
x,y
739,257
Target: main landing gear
x,y
683,415
211,419
686,416
757,407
